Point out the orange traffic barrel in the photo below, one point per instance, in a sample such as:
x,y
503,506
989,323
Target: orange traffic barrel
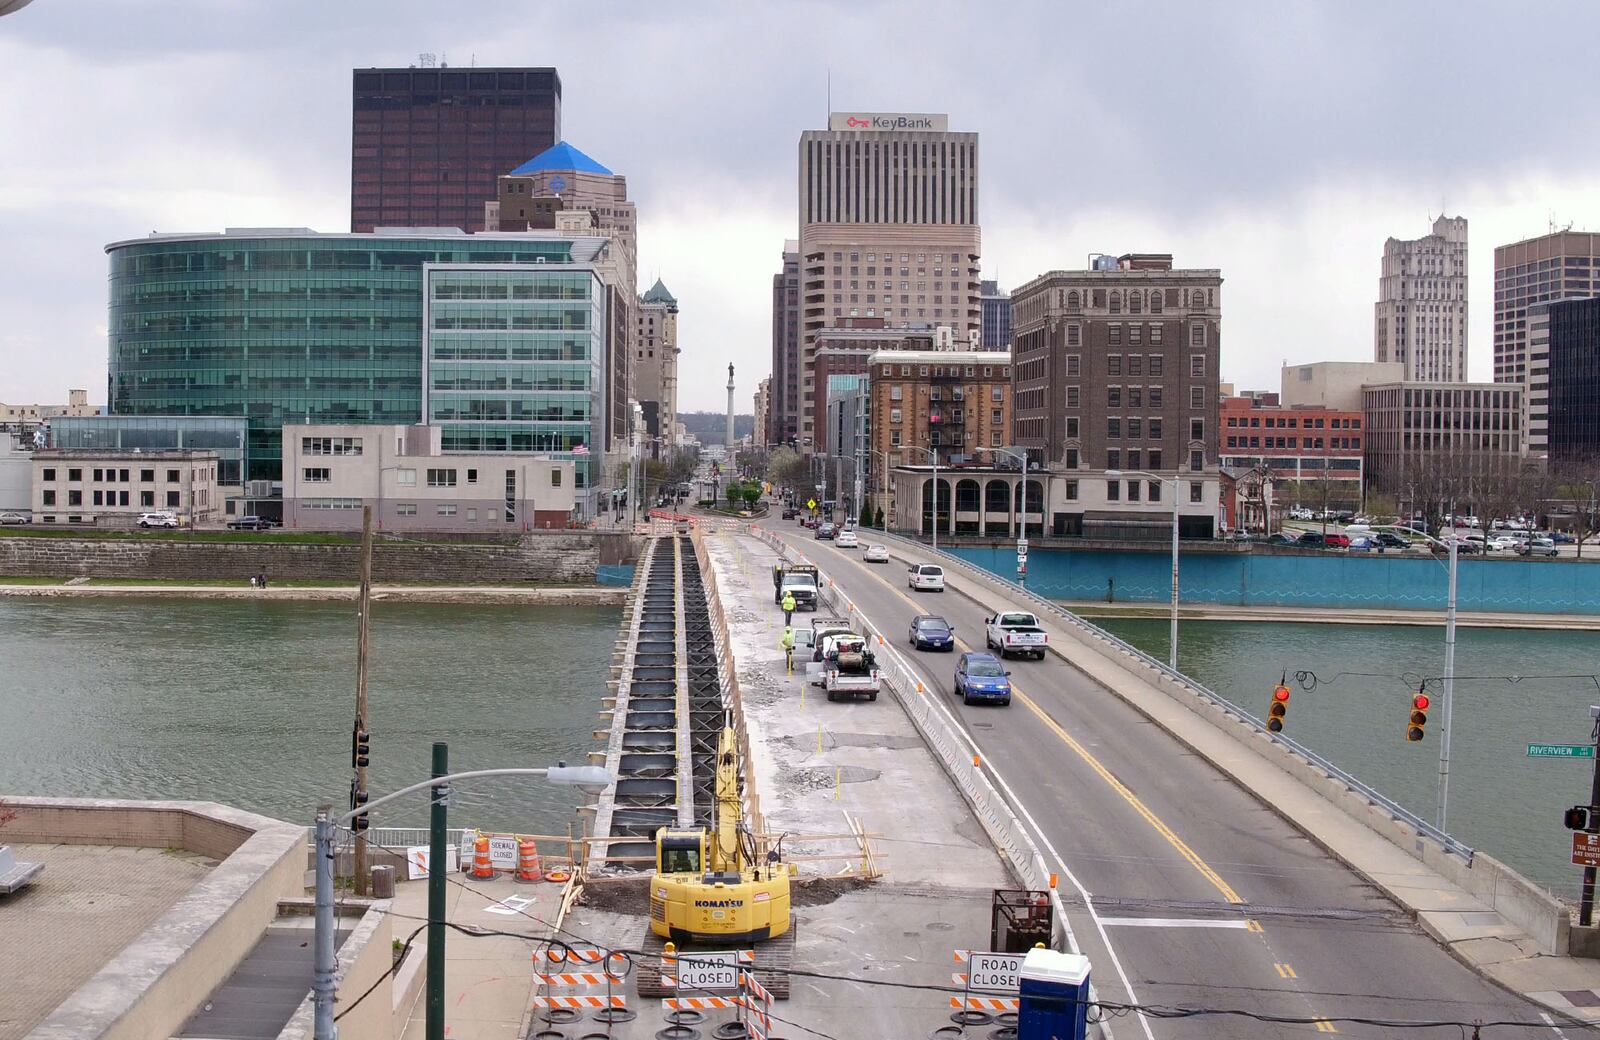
x,y
528,867
481,867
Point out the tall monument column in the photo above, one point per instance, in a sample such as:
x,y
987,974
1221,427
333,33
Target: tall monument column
x,y
728,438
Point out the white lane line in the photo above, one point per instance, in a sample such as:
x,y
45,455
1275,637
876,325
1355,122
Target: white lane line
x,y
1552,1024
956,724
1172,922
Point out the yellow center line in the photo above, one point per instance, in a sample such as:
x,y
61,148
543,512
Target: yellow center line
x,y
1161,828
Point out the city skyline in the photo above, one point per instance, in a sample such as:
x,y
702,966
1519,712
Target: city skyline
x,y
1296,195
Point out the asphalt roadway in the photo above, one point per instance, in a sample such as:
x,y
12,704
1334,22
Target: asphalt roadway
x,y
1199,896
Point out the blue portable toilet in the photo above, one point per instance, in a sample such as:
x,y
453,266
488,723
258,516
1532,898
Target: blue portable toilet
x,y
1055,996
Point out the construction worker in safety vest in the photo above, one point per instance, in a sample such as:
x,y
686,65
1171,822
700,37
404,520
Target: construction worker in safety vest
x,y
788,608
788,647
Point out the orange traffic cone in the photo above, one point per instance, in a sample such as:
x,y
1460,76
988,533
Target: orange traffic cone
x,y
528,866
481,868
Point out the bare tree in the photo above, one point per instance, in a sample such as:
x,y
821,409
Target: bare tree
x,y
1576,485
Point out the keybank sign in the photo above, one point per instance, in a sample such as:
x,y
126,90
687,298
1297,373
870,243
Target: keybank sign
x,y
888,121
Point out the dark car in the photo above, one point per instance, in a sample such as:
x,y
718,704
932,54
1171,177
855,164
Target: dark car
x,y
1390,540
1279,538
931,632
790,512
251,523
1311,540
1562,538
981,677
826,530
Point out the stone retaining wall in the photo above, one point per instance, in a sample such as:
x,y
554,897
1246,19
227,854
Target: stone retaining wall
x,y
558,557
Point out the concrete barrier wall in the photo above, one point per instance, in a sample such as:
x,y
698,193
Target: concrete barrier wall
x,y
1302,579
363,960
151,986
556,557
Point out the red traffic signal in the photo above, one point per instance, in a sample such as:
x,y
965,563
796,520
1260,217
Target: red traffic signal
x,y
1279,708
1419,716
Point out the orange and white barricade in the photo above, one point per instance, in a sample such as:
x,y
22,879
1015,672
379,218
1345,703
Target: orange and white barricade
x,y
581,1003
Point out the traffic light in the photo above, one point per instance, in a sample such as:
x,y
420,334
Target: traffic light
x,y
1280,708
358,798
1576,818
1419,715
359,747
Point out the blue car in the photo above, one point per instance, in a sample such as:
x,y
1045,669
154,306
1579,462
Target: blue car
x,y
981,677
931,632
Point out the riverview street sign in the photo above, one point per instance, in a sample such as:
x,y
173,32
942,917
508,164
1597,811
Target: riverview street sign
x,y
1560,751
1586,849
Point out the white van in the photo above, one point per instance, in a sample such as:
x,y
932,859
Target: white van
x,y
926,576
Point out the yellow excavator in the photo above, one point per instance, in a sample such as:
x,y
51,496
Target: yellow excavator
x,y
712,890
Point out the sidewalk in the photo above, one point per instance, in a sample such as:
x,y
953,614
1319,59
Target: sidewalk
x,y
1471,929
487,595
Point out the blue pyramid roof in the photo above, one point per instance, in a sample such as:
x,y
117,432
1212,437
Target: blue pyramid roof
x,y
658,293
561,156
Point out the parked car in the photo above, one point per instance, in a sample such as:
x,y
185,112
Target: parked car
x,y
790,512
1390,540
1282,538
249,523
1362,543
932,632
1311,540
1334,540
928,577
981,677
1502,543
1562,538
825,530
159,520
1297,513
15,518
847,539
875,553
1538,547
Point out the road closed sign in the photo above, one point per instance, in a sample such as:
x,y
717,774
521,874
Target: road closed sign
x,y
1001,972
708,972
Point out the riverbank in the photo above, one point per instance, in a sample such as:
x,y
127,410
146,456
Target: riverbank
x,y
479,595
1334,615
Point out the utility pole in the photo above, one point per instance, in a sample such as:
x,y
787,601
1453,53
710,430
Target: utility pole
x,y
358,757
323,966
437,818
1586,904
1449,676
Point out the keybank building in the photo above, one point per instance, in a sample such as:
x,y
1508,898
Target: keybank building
x,y
501,339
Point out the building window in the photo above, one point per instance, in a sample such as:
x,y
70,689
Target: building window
x,y
555,478
1197,460
994,416
1074,334
1113,490
1113,364
406,477
330,445
441,478
1155,429
1196,490
447,509
1155,363
1136,364
1072,428
1070,490
1155,397
74,498
1072,397
894,438
1133,491
1135,397
472,476
1197,429
1197,397
317,475
1155,457
99,495
147,499
405,509
147,476
1114,428
172,499
99,477
172,476
1152,491
1197,335
74,476
1073,364
1114,335
1135,428
894,415
1113,397
1072,458
1135,335
1197,366
1155,330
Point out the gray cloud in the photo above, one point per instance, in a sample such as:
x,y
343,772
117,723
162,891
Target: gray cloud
x,y
1279,141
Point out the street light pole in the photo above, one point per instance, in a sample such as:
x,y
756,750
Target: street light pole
x,y
1117,474
438,812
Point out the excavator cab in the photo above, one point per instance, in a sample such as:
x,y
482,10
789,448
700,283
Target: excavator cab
x,y
681,852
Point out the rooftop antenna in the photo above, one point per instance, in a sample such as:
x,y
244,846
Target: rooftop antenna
x,y
427,61
830,92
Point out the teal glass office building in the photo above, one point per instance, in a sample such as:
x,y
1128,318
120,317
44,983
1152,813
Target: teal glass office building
x,y
288,325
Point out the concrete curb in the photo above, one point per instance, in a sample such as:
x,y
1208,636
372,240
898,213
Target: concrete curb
x,y
486,595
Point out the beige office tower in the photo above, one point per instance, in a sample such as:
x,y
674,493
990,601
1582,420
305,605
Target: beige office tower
x,y
888,229
1420,319
655,368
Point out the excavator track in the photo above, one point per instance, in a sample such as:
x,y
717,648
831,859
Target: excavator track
x,y
647,969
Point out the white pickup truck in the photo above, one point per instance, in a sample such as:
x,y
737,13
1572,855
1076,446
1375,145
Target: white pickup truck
x,y
848,668
1015,632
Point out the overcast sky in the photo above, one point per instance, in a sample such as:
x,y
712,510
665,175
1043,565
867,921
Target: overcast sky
x,y
1281,142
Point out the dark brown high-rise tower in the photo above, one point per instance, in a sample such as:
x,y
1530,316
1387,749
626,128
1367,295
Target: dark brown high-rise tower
x,y
427,144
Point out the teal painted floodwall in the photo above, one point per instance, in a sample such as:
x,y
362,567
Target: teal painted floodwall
x,y
1367,580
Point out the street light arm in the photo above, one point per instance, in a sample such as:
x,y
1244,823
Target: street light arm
x,y
572,776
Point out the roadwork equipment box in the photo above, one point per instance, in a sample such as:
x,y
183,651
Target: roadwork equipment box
x,y
1055,996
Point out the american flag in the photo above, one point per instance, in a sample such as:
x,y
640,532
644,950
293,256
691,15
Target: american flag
x,y
582,449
